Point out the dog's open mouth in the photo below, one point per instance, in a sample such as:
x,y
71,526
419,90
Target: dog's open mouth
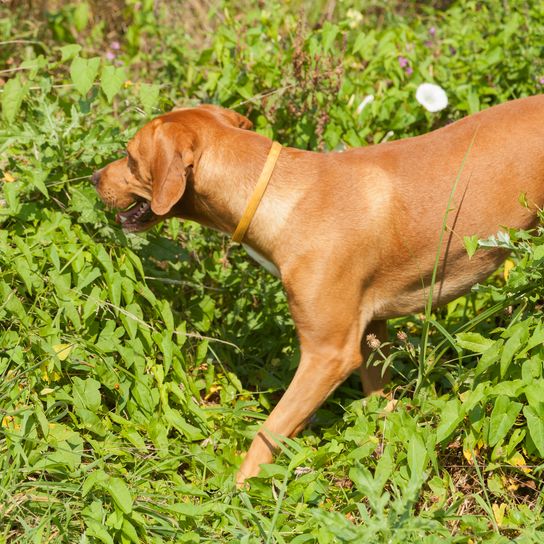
x,y
137,217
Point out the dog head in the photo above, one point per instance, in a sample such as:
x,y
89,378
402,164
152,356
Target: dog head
x,y
148,183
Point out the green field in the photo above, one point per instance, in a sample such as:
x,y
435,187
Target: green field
x,y
135,369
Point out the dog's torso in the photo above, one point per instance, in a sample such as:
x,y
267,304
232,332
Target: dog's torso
x,y
381,209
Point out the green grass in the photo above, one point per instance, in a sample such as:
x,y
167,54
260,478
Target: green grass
x,y
136,369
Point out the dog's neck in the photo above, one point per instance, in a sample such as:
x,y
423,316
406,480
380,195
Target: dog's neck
x,y
223,180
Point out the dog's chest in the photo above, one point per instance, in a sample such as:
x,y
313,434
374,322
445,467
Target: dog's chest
x,y
265,263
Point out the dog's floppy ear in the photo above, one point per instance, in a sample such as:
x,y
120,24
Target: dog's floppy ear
x,y
230,116
238,119
173,155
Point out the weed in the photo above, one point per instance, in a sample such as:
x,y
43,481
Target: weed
x,y
135,369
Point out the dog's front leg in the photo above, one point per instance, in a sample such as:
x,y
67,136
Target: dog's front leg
x,y
330,324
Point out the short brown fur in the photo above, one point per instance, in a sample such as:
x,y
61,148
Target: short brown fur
x,y
354,234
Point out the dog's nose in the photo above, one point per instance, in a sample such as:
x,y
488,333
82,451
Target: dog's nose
x,y
95,178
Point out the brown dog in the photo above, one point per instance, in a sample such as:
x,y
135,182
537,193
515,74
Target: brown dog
x,y
353,235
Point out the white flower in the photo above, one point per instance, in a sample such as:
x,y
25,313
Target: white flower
x,y
355,18
387,136
366,100
432,97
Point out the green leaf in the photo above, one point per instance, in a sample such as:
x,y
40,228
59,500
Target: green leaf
x,y
176,420
189,509
473,101
474,397
132,318
24,272
417,457
38,180
167,348
94,478
83,73
119,492
111,81
144,397
535,424
452,414
538,252
87,394
537,338
130,532
85,279
12,98
531,370
81,15
328,34
67,445
11,302
32,66
363,480
127,286
384,468
166,315
104,259
97,530
503,417
69,51
518,337
11,194
489,357
158,433
149,96
471,244
115,284
474,342
533,393
508,388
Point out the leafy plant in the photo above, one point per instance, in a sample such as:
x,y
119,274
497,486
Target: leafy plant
x,y
135,369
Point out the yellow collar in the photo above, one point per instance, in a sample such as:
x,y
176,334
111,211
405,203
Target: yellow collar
x,y
258,193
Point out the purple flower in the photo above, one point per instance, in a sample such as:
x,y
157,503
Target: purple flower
x,y
403,62
115,45
432,31
541,80
110,55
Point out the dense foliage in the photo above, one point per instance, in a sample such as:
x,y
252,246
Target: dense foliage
x,y
135,369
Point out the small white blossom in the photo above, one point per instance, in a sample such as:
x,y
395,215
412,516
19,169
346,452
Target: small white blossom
x,y
354,17
432,97
388,135
366,101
